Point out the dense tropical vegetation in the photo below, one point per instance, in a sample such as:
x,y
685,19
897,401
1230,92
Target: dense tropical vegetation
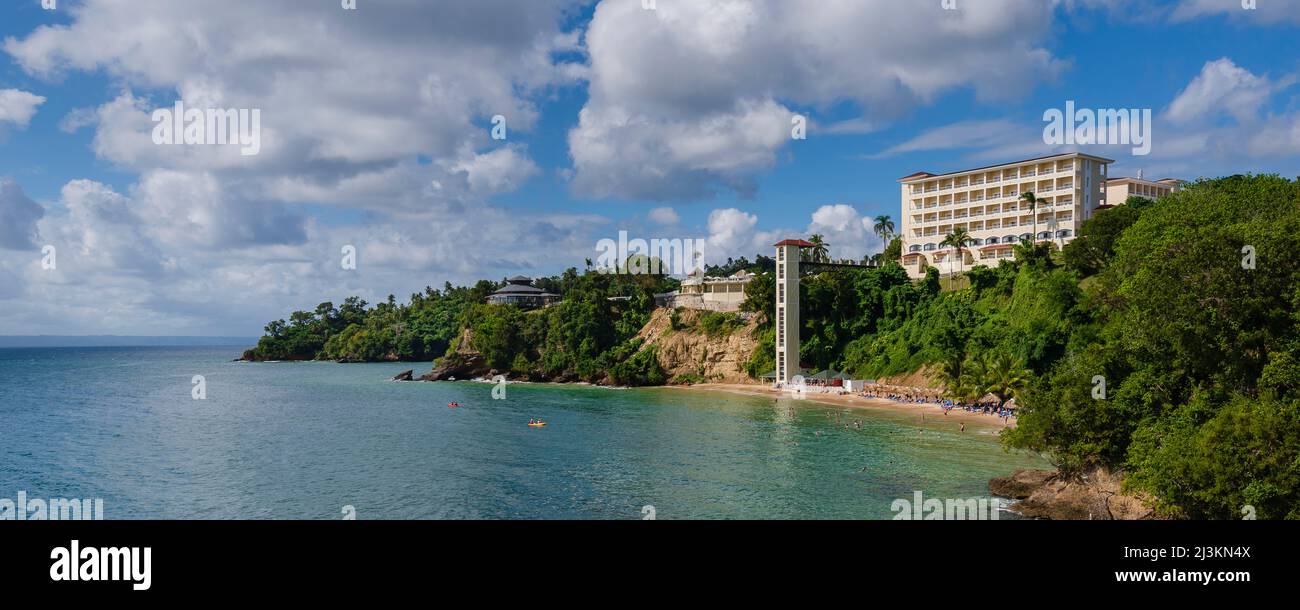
x,y
586,336
1164,340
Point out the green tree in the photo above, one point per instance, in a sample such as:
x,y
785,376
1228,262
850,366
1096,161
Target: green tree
x,y
883,228
1000,375
1031,199
958,240
820,249
1094,246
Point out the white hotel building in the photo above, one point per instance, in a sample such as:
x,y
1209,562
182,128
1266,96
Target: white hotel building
x,y
986,202
1118,190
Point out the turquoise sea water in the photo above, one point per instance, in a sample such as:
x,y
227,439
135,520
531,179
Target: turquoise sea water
x,y
303,440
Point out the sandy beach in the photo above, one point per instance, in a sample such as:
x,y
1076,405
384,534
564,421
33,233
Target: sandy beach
x,y
929,413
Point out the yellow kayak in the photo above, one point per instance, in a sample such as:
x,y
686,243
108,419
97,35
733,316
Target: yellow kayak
x,y
538,424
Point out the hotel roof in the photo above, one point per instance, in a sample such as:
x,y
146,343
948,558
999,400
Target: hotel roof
x,y
796,242
926,175
1160,181
520,289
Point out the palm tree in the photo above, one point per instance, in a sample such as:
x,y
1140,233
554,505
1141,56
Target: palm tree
x,y
884,228
1028,197
820,249
1002,376
959,239
959,385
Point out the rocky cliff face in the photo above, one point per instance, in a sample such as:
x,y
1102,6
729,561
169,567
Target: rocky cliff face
x,y
1095,495
464,362
688,353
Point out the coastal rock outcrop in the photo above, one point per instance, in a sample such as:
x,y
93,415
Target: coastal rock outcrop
x,y
689,353
1095,495
685,351
461,362
457,365
406,375
1021,484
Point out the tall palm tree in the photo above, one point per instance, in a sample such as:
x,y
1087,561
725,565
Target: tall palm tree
x,y
884,228
1028,197
959,239
820,249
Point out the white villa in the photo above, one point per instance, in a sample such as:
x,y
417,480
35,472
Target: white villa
x,y
712,293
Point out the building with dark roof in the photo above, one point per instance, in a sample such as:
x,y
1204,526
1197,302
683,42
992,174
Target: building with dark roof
x,y
520,292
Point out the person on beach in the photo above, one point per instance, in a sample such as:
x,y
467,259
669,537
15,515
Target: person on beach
x,y
963,426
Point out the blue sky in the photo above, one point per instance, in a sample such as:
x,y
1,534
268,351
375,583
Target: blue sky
x,y
665,123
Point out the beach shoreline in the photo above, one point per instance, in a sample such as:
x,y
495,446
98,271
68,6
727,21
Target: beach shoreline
x,y
929,413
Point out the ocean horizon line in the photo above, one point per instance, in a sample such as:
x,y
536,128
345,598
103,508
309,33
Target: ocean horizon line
x,y
29,341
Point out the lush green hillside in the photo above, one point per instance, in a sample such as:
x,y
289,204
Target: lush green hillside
x,y
584,337
1199,353
419,330
1199,356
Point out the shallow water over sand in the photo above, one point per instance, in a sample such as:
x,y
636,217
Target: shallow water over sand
x,y
303,440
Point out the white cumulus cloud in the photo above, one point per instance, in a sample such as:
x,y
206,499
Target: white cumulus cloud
x,y
18,107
